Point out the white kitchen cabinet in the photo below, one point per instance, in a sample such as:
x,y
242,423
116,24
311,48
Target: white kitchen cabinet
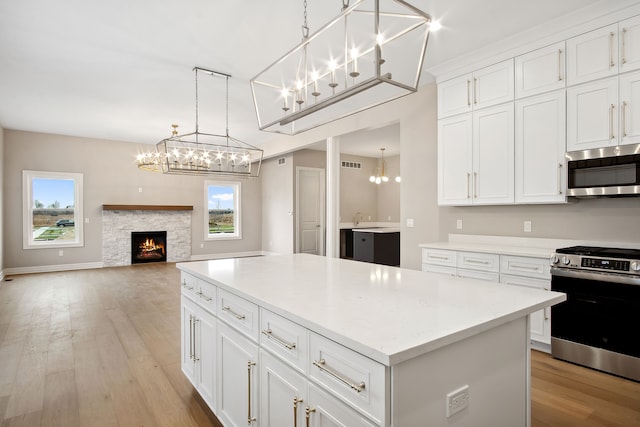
x,y
604,52
592,115
483,88
475,157
540,145
593,55
539,71
198,349
472,265
629,93
540,321
237,372
604,113
324,410
493,145
283,393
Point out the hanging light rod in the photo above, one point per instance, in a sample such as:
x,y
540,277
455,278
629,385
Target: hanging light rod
x,y
212,72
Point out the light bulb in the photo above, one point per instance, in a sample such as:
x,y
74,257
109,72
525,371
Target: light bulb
x,y
372,178
378,180
385,178
398,179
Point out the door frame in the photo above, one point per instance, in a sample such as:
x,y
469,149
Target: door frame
x,y
321,207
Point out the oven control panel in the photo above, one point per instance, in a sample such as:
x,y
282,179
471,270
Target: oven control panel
x,y
605,264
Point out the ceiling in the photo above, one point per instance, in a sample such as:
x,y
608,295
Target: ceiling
x,y
122,70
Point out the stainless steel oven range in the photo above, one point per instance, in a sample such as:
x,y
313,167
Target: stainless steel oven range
x,y
597,325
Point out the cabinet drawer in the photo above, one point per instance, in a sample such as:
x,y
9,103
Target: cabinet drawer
x,y
477,274
537,268
327,410
440,269
239,313
479,261
189,285
439,257
349,375
284,338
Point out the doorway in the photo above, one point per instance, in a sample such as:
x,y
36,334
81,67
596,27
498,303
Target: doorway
x,y
310,217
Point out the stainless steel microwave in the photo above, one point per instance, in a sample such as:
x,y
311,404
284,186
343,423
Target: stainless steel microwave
x,y
609,171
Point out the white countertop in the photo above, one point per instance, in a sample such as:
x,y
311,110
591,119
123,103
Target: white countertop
x,y
386,313
377,230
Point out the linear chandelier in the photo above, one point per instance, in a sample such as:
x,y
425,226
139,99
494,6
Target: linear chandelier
x,y
199,153
371,53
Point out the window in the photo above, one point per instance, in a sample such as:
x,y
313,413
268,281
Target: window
x,y
52,209
222,201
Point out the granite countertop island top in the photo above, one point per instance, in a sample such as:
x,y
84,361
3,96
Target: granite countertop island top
x,y
386,313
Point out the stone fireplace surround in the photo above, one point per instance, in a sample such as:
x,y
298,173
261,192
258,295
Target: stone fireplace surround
x,y
118,221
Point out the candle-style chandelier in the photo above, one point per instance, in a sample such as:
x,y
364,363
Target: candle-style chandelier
x,y
199,153
371,53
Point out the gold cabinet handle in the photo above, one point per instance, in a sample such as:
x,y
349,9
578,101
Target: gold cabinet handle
x,y
623,60
237,316
475,185
321,364
308,411
191,337
184,285
279,340
611,38
624,119
203,296
475,91
295,410
250,365
611,113
559,65
559,178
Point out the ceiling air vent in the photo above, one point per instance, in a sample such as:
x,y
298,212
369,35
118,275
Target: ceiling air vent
x,y
351,165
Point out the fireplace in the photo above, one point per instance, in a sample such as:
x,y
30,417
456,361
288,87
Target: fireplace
x,y
148,246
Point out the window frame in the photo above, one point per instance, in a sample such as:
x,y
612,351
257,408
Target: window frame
x,y
27,210
237,210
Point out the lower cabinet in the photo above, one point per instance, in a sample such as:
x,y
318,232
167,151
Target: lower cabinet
x,y
283,393
198,349
325,410
507,269
237,371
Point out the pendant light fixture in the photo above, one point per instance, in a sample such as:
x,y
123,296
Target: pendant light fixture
x,y
380,174
371,53
199,153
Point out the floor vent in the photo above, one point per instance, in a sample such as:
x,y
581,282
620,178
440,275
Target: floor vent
x,y
351,165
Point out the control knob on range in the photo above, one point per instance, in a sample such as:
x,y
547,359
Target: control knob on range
x,y
566,260
554,259
635,266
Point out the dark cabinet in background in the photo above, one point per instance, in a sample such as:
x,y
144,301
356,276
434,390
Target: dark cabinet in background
x,y
377,247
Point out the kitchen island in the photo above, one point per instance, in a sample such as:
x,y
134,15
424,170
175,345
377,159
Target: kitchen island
x,y
355,343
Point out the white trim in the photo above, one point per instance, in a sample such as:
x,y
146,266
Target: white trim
x,y
2,276
237,210
27,209
51,268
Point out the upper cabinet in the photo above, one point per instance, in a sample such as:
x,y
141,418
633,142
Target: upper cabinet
x,y
485,87
540,71
604,52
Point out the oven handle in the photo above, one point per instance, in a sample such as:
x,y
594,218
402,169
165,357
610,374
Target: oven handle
x,y
595,275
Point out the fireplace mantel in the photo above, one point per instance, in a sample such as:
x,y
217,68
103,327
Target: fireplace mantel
x,y
147,208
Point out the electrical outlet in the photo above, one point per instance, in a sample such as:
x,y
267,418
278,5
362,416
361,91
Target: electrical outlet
x,y
459,224
457,400
409,222
60,252
527,226
139,189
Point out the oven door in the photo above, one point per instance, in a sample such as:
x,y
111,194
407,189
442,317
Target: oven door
x,y
602,310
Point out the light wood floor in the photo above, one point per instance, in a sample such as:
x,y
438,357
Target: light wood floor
x,y
101,348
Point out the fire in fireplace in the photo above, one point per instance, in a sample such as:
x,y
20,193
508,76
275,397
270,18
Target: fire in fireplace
x,y
148,246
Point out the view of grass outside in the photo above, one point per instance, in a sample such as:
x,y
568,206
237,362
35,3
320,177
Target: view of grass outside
x,y
45,228
221,221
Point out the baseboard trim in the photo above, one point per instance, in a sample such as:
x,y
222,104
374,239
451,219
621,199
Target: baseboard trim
x,y
51,268
206,257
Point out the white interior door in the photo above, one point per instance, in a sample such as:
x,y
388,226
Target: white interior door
x,y
310,187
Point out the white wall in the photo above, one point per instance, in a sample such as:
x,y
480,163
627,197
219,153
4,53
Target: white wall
x,y
1,202
110,177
